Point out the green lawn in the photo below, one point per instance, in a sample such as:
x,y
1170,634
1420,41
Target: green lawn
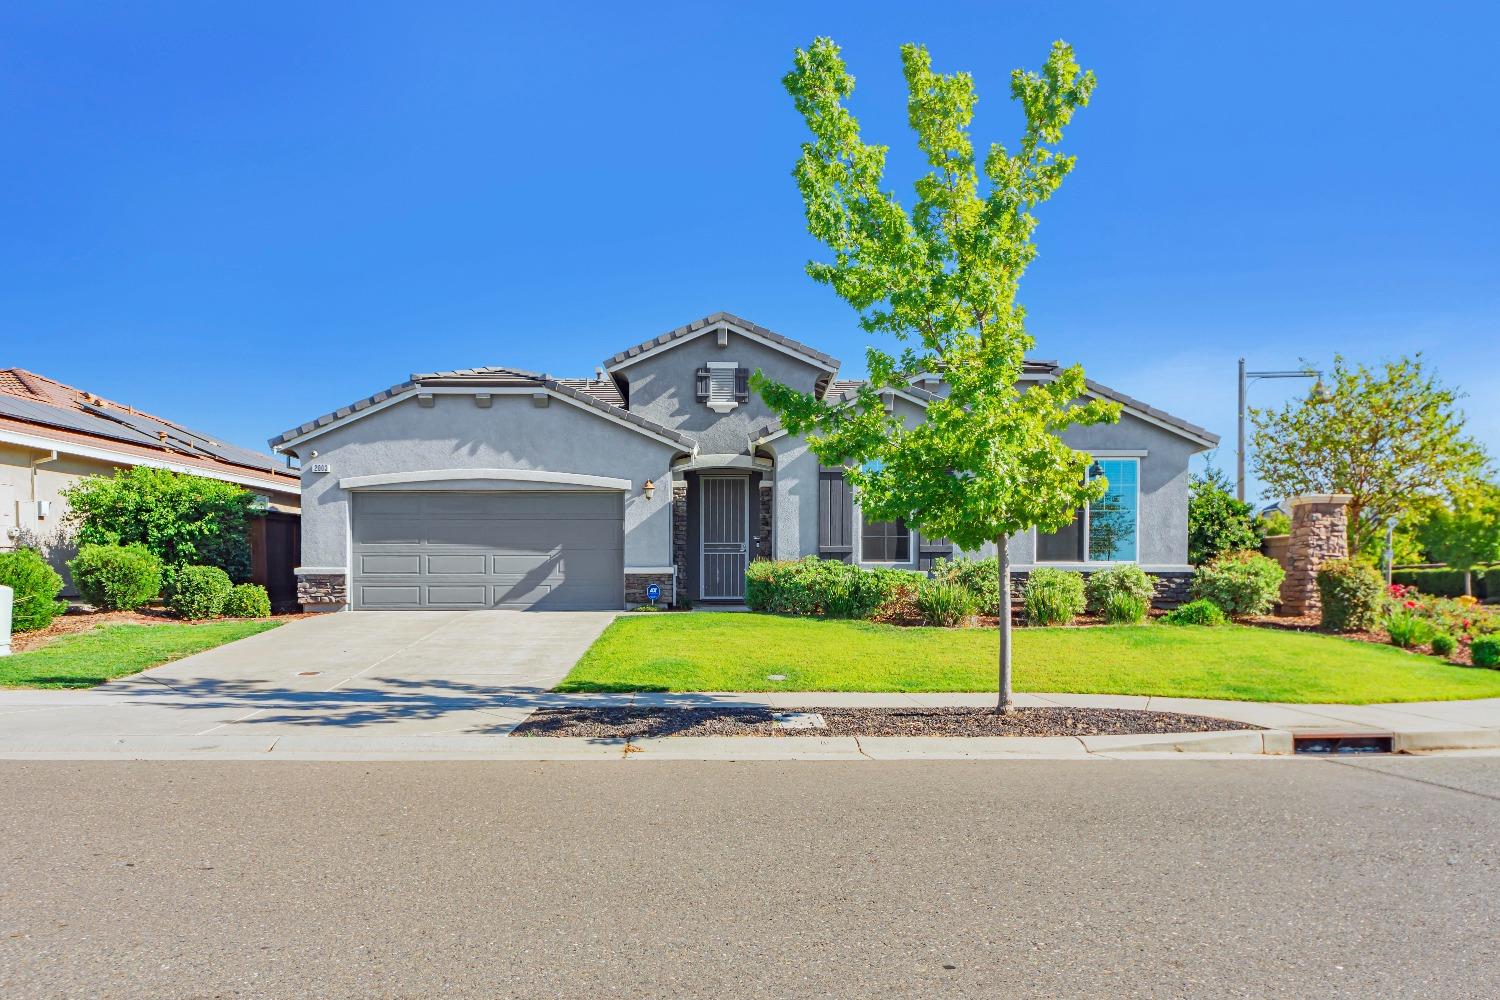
x,y
88,658
737,652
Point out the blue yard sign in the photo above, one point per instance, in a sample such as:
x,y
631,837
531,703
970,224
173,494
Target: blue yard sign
x,y
653,592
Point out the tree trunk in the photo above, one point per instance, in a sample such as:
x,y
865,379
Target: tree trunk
x,y
1468,583
1004,706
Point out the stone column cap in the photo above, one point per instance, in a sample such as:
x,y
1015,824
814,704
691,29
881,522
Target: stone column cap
x,y
1338,498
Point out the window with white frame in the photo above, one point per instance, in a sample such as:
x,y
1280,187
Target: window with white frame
x,y
1105,530
884,541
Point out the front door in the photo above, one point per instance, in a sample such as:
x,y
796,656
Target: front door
x,y
724,527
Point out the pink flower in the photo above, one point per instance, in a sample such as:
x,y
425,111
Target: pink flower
x,y
1411,604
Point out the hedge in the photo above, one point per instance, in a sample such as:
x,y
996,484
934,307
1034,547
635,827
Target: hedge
x,y
1445,582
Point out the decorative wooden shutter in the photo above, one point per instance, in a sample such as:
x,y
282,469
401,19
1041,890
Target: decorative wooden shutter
x,y
835,516
742,385
931,549
702,380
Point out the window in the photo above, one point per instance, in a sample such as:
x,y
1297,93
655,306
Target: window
x,y
885,541
1103,531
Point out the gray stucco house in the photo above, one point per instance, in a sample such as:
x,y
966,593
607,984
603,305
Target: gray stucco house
x,y
499,488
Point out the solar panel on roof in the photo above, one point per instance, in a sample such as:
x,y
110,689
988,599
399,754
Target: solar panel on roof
x,y
53,416
189,440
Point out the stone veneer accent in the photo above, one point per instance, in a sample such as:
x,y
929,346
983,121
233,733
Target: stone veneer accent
x,y
764,551
679,530
1320,532
322,589
636,584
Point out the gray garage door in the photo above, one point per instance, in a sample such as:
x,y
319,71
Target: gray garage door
x,y
545,550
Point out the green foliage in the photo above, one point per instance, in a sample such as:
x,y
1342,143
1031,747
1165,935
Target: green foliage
x,y
1196,613
116,577
1352,594
942,280
980,577
1392,438
1121,608
1407,628
1444,582
1485,652
814,586
1274,523
184,520
199,592
1053,596
1443,644
1126,579
248,600
1240,583
1217,522
1465,533
36,587
943,604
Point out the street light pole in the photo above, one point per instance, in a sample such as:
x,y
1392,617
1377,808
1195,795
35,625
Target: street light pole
x,y
1319,394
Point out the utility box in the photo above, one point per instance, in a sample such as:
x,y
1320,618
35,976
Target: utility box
x,y
43,509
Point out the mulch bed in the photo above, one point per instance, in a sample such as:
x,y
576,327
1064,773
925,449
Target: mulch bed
x,y
636,723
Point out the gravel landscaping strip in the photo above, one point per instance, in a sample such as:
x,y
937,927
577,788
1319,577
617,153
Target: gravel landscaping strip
x,y
633,723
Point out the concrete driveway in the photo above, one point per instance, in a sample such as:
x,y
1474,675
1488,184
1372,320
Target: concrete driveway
x,y
358,682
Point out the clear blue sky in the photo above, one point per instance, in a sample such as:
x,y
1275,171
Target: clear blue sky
x,y
242,218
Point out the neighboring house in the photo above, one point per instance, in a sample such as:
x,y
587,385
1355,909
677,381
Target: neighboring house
x,y
494,487
52,435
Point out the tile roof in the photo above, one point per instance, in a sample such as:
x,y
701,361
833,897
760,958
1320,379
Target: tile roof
x,y
598,393
57,411
698,326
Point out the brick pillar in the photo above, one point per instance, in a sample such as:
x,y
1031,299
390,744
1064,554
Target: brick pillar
x,y
1320,532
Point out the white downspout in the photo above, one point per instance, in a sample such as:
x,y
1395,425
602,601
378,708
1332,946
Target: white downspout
x,y
52,457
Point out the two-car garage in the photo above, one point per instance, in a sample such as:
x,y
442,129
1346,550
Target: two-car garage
x,y
515,549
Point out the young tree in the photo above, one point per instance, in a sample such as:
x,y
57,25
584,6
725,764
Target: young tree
x,y
1465,532
1217,522
1391,438
942,280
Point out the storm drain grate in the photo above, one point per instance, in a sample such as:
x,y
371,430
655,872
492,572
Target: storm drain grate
x,y
1341,744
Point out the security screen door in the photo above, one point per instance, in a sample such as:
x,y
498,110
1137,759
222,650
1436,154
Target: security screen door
x,y
724,532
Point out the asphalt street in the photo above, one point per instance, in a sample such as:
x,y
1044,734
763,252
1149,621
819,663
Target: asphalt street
x,y
1286,878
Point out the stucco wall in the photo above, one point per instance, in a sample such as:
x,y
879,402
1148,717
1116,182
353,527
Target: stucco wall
x,y
1162,541
513,433
663,389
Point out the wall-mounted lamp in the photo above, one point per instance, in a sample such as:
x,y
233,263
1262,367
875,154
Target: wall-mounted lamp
x,y
649,489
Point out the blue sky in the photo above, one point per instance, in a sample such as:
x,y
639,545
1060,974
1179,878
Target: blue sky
x,y
244,217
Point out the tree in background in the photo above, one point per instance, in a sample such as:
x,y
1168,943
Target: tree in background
x,y
942,280
1392,438
1465,532
183,520
1217,522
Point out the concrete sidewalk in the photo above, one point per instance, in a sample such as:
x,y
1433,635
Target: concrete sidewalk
x,y
430,721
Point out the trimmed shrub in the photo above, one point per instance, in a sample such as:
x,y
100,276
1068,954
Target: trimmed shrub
x,y
1196,613
116,577
1053,596
980,577
1240,583
943,604
199,592
1485,652
36,587
250,600
1443,644
1352,594
1121,608
1408,629
1126,579
1444,582
814,586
